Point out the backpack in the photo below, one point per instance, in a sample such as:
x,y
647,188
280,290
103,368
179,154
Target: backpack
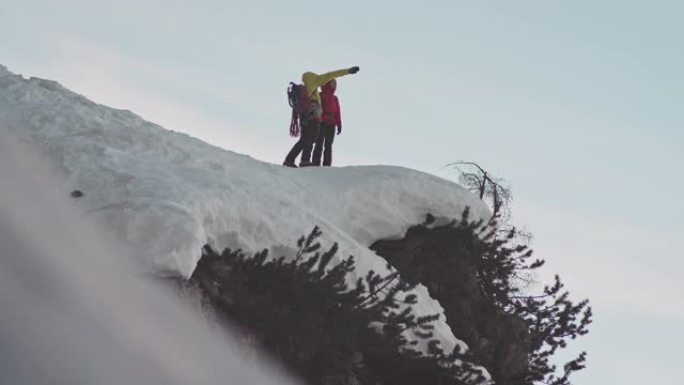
x,y
302,108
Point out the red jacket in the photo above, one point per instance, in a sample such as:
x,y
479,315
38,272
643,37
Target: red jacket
x,y
330,105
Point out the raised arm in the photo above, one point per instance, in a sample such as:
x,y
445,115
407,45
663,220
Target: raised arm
x,y
313,81
326,77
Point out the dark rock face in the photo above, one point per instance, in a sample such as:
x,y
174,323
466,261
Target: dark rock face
x,y
445,261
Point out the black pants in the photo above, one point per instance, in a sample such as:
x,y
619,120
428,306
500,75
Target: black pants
x,y
305,143
324,144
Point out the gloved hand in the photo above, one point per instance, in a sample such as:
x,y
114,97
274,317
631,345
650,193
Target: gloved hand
x,y
354,70
339,130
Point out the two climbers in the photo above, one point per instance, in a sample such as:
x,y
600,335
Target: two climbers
x,y
316,118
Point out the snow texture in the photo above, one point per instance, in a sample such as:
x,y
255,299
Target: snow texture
x,y
166,194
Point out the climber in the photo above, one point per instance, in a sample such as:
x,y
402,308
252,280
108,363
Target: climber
x,y
331,119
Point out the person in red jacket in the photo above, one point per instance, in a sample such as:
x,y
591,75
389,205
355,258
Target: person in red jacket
x,y
330,119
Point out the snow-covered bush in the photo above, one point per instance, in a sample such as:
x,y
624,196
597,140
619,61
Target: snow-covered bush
x,y
303,312
476,274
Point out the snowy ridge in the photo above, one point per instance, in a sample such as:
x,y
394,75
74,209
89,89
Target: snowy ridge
x,y
167,194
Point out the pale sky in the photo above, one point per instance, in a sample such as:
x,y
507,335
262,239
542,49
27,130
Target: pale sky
x,y
575,103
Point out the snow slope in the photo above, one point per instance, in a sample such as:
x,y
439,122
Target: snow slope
x,y
72,312
167,194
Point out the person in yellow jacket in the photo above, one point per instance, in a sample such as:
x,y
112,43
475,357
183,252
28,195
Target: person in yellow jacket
x,y
310,125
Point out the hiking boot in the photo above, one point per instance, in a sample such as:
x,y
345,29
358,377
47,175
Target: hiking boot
x,y
306,164
289,163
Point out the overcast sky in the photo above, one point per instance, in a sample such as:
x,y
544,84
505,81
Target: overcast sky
x,y
577,104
